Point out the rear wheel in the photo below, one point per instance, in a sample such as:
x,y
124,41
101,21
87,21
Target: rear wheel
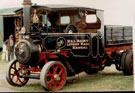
x,y
13,75
53,76
123,60
127,62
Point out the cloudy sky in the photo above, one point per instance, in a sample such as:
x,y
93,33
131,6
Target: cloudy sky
x,y
116,12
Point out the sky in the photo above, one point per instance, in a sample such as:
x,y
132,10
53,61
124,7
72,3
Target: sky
x,y
116,12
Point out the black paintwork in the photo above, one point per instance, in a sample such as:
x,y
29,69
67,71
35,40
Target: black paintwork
x,y
63,42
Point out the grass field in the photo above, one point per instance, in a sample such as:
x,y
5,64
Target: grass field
x,y
107,80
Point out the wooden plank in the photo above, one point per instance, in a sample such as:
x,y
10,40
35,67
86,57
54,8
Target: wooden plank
x,y
118,35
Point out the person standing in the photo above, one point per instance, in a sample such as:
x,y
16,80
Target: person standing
x,y
10,47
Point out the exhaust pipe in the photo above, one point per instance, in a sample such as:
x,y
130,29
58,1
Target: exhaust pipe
x,y
27,2
27,14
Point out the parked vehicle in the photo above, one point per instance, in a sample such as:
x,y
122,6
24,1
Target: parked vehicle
x,y
60,41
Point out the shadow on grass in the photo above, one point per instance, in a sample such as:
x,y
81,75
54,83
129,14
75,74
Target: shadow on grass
x,y
112,73
83,76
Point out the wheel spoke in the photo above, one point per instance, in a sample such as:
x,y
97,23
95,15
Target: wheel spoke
x,y
49,75
12,76
56,83
17,79
55,70
22,81
50,83
49,72
16,72
15,66
60,72
51,78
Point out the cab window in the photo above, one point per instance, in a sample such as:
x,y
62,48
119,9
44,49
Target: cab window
x,y
65,20
91,18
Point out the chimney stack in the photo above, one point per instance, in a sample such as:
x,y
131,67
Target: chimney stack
x,y
27,14
27,2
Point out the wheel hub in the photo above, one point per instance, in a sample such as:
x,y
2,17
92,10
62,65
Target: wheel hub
x,y
23,73
56,77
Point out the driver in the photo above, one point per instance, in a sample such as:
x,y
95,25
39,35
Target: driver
x,y
35,17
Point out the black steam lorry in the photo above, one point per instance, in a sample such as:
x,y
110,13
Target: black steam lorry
x,y
60,41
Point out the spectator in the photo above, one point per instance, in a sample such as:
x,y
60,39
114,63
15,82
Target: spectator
x,y
10,47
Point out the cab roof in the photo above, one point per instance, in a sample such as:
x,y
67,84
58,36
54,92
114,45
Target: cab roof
x,y
66,7
53,7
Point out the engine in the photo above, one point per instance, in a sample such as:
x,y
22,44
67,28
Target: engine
x,y
27,52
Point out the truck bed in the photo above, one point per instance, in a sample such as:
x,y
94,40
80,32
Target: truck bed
x,y
118,35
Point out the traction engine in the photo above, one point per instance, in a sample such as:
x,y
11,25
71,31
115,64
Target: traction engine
x,y
52,57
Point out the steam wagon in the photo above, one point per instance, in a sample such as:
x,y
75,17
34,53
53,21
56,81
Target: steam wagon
x,y
59,41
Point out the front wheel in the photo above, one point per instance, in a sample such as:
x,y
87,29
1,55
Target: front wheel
x,y
13,75
53,76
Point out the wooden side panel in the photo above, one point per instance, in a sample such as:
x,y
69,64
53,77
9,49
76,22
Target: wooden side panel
x,y
118,35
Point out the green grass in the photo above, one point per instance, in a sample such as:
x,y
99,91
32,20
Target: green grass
x,y
36,87
102,81
112,82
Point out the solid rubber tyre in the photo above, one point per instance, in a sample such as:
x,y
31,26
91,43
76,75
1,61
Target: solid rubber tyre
x,y
127,63
53,76
123,60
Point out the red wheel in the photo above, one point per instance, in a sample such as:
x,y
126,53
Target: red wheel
x,y
53,76
14,74
127,63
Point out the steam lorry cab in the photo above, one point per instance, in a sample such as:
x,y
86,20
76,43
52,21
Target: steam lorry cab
x,y
60,41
